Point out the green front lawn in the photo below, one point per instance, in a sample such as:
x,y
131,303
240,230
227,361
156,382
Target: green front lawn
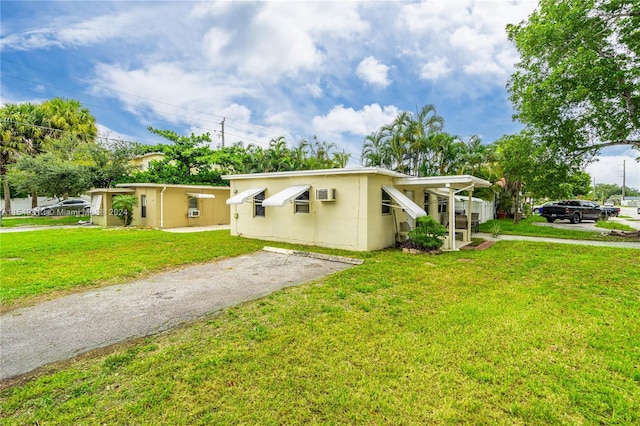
x,y
40,264
521,333
529,228
15,221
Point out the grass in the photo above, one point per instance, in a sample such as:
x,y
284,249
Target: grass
x,y
528,227
609,224
522,333
48,262
15,221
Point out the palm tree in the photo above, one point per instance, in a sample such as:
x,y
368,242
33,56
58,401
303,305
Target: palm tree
x,y
423,127
20,134
66,120
374,150
123,207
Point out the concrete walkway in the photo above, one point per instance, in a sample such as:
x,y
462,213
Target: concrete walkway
x,y
68,326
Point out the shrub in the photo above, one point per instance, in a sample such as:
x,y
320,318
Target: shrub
x,y
123,207
427,234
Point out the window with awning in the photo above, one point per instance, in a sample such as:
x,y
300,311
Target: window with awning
x,y
245,195
285,196
412,209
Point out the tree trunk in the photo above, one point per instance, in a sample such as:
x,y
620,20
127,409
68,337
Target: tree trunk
x,y
34,199
7,195
516,209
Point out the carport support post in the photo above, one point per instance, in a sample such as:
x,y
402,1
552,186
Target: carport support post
x,y
469,212
452,218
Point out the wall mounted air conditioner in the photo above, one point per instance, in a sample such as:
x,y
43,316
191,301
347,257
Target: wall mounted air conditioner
x,y
326,194
194,213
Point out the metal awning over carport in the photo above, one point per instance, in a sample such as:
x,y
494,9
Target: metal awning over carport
x,y
448,186
412,209
285,196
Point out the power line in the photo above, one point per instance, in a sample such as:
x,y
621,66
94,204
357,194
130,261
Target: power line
x,y
128,104
257,126
215,131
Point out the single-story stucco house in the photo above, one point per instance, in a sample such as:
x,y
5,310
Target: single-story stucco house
x,y
360,209
164,206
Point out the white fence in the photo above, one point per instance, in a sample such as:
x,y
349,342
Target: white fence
x,y
485,209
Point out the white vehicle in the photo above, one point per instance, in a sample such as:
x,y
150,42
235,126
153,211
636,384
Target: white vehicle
x,y
70,207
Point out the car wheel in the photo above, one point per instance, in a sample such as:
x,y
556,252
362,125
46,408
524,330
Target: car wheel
x,y
536,211
575,219
604,216
550,219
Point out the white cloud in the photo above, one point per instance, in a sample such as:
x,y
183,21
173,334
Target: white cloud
x,y
82,33
173,94
359,123
112,135
468,34
484,67
314,90
435,69
608,169
373,72
288,37
213,42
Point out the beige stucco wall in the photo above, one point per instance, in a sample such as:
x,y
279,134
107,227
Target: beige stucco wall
x,y
105,216
176,206
142,162
342,224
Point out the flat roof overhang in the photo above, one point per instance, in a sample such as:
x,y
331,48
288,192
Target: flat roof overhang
x,y
319,172
456,182
111,190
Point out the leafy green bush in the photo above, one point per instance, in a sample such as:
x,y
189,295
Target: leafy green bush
x,y
427,234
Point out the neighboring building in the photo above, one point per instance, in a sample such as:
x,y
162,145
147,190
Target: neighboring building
x,y
164,206
360,209
630,202
142,162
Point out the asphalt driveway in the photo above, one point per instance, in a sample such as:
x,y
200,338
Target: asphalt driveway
x,y
72,325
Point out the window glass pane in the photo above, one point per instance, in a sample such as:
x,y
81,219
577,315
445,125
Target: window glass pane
x,y
386,202
258,208
302,203
442,205
143,206
193,203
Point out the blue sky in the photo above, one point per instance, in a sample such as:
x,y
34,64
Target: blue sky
x,y
334,69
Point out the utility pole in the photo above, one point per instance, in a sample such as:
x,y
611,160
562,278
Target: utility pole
x,y
624,175
223,118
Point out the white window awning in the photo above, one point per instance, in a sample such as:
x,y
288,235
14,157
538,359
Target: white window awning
x,y
285,196
412,209
199,195
245,195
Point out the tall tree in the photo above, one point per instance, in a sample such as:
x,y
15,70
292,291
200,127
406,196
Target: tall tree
x,y
374,150
577,84
50,176
20,134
